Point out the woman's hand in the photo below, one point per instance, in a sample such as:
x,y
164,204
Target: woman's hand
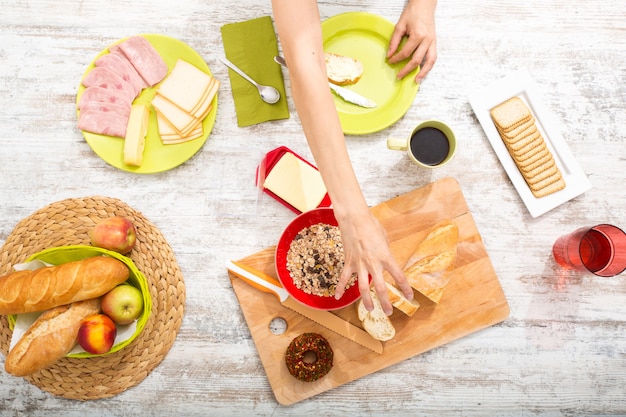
x,y
417,24
366,252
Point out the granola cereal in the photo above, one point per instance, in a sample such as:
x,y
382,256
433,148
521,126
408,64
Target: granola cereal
x,y
315,260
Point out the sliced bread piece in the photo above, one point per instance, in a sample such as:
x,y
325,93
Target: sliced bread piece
x,y
342,70
376,322
399,301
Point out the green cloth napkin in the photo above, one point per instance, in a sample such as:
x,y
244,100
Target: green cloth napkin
x,y
251,46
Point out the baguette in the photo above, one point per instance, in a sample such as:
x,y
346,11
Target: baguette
x,y
432,263
376,322
399,301
428,270
444,236
49,338
48,287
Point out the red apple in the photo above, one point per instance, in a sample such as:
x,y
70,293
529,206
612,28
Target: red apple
x,y
114,233
123,304
97,334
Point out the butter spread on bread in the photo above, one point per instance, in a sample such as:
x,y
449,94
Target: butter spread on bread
x,y
49,338
52,286
429,268
342,70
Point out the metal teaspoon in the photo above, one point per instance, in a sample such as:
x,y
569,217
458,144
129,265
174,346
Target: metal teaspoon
x,y
268,94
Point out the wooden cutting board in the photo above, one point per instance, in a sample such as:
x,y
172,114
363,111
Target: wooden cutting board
x,y
471,301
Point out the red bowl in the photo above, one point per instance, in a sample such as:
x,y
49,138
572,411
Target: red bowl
x,y
320,215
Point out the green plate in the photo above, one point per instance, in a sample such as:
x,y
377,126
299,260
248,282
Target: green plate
x,y
366,36
64,254
157,157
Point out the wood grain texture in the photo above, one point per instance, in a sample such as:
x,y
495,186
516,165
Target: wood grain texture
x,y
472,301
561,352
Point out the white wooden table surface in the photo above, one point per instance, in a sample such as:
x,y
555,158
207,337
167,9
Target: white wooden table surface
x,y
562,351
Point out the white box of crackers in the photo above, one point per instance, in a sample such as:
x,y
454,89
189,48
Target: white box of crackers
x,y
516,126
525,136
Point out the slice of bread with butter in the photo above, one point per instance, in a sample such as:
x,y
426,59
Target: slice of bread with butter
x,y
342,70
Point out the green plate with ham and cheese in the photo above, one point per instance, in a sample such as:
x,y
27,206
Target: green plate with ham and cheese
x,y
158,155
365,37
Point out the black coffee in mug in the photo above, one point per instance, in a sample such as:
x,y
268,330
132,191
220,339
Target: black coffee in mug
x,y
429,145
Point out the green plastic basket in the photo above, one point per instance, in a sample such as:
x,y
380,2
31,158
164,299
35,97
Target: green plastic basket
x,y
64,254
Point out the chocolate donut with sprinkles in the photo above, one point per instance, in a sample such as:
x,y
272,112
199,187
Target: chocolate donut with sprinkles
x,y
302,369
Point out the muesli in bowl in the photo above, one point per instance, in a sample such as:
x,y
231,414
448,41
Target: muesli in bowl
x,y
309,260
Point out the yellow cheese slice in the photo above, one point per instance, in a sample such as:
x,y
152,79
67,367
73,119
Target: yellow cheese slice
x,y
296,182
182,101
176,140
165,127
206,100
177,117
186,86
197,121
170,136
136,131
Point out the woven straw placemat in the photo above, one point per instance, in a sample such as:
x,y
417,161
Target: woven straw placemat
x,y
67,222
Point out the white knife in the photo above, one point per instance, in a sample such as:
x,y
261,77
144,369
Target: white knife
x,y
352,97
346,94
263,282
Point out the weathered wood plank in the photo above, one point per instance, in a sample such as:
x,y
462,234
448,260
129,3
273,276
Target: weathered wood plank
x,y
562,350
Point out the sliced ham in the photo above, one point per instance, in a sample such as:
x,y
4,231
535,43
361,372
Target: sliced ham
x,y
115,50
120,66
105,78
118,109
102,123
144,58
113,84
103,95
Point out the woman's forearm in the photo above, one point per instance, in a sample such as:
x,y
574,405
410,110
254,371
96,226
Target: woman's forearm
x,y
298,25
365,242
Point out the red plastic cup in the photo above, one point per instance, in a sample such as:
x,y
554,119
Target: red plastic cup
x,y
600,250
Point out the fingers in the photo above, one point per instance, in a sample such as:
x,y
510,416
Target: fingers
x,y
429,63
383,297
367,255
418,28
364,289
406,51
401,280
394,43
410,66
345,276
423,57
364,285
